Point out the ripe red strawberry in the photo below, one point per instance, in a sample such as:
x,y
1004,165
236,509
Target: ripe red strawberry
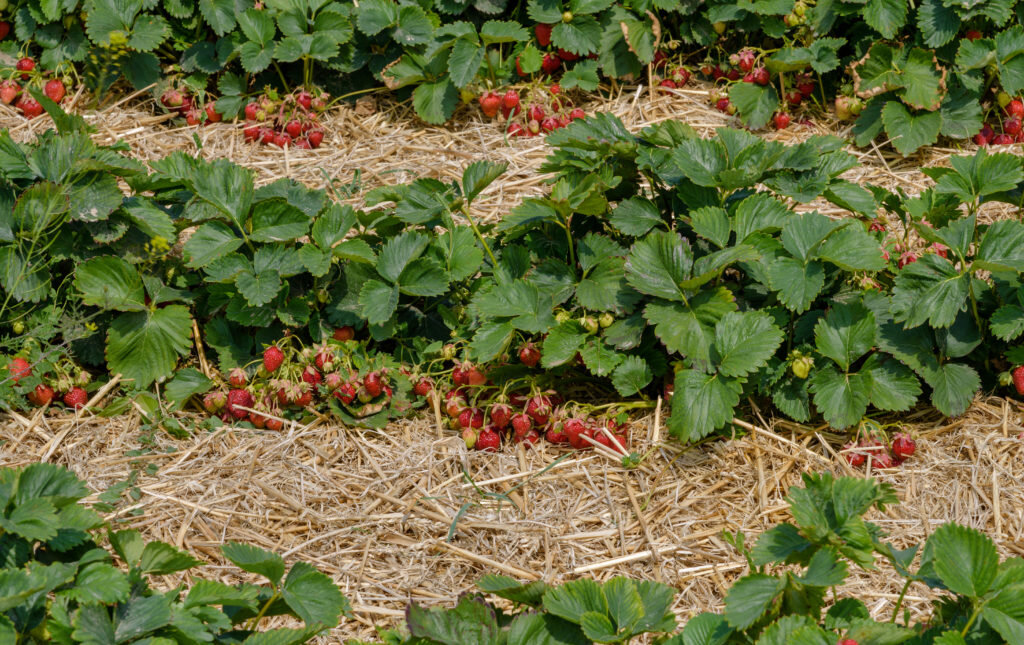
x,y
1012,125
543,33
25,65
238,397
76,398
882,460
906,258
214,401
761,76
273,424
722,105
312,376
518,399
237,377
550,63
471,418
282,140
423,387
529,355
519,68
54,89
549,124
903,446
346,393
490,103
535,113
681,76
29,107
272,358
748,77
9,90
305,398
660,59
251,133
577,113
251,110
1015,108
315,138
877,226
344,333
794,98
539,409
522,423
940,250
488,440
1002,140
373,384
515,130
501,415
578,440
510,102
258,420
668,391
305,99
19,368
192,117
454,406
854,458
324,361
474,375
745,60
556,434
41,395
5,28
332,381
972,34
212,115
293,128
1018,379
781,121
733,74
669,83
567,56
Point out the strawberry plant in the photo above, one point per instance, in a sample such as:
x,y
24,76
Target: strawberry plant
x,y
60,583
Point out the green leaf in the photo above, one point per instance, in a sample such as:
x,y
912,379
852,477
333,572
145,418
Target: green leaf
x,y
754,103
825,569
658,263
1007,323
530,593
32,519
797,283
804,232
436,102
851,248
744,341
494,32
702,403
886,17
635,216
413,26
228,187
841,398
893,385
145,346
846,333
779,544
211,592
625,607
1005,613
605,288
471,622
479,175
910,131
938,23
599,358
423,277
219,14
1010,59
631,376
689,329
378,301
210,241
375,16
255,560
313,596
275,220
464,61
161,559
1002,247
712,223
749,598
491,339
923,82
929,290
142,615
110,283
575,598
99,582
964,559
953,387
148,33
258,288
582,36
398,251
562,344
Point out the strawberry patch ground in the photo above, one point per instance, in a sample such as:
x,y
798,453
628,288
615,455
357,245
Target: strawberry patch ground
x,y
407,513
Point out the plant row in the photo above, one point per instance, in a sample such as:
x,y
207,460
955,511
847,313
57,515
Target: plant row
x,y
65,580
658,264
909,72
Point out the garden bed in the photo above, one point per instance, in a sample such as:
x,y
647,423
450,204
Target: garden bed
x,y
375,510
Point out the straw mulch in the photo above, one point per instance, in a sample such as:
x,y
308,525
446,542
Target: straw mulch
x,y
379,142
375,510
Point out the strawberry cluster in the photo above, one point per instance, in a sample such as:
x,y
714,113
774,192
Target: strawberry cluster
x,y
552,60
488,416
1012,130
12,92
181,101
549,110
747,66
63,381
293,120
291,378
671,77
872,448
